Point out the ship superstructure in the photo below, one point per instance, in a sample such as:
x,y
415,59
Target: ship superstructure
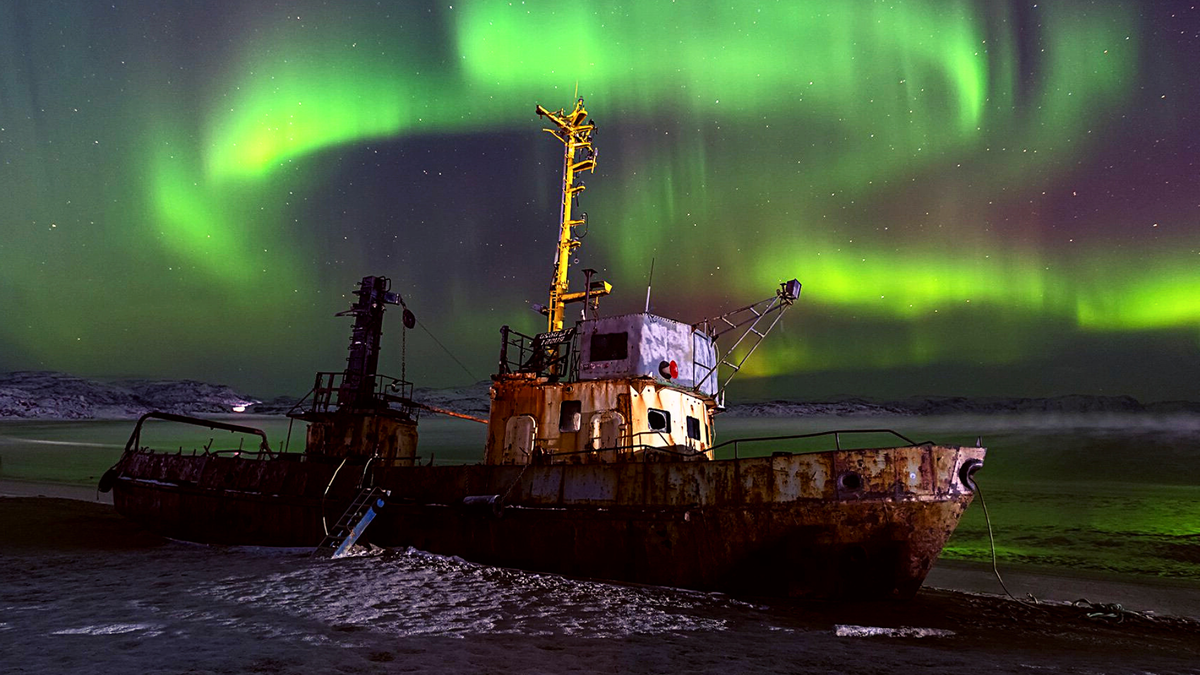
x,y
609,389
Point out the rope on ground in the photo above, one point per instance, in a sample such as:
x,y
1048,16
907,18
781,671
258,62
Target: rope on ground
x,y
1109,610
991,539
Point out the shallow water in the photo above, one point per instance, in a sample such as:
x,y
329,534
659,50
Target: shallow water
x,y
1118,493
181,608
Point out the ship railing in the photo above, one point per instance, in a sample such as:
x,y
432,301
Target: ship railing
x,y
244,454
683,451
322,397
134,444
207,451
549,355
836,433
669,450
393,462
330,385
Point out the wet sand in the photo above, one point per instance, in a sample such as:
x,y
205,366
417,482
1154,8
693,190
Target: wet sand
x,y
83,493
66,544
1167,597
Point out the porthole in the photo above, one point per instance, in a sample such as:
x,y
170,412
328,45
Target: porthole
x,y
850,482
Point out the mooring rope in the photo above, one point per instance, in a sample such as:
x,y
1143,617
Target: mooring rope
x,y
448,352
991,537
504,497
1092,610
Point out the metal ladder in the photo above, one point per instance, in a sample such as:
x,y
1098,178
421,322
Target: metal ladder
x,y
353,522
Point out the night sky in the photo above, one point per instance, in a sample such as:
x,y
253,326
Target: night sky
x,y
981,198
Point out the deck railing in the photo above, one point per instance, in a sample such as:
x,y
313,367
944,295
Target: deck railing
x,y
549,355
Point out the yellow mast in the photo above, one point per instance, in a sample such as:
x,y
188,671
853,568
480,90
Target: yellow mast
x,y
576,136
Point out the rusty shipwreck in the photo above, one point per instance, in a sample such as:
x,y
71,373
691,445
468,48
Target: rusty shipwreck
x,y
600,459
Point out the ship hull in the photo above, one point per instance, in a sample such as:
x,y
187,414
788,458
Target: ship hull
x,y
843,524
770,551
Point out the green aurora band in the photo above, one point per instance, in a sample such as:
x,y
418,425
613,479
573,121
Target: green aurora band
x,y
894,156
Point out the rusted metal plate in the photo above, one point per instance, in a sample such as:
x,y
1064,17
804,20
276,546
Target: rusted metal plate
x,y
942,471
724,484
631,484
913,472
785,482
544,487
773,525
813,472
687,486
756,477
874,470
589,484
864,548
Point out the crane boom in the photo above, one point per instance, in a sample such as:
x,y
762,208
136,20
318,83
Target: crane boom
x,y
753,314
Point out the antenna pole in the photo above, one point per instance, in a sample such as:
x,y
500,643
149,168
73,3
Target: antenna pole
x,y
576,136
648,283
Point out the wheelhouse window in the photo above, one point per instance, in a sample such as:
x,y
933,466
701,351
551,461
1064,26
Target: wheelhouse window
x,y
693,427
610,346
570,415
659,420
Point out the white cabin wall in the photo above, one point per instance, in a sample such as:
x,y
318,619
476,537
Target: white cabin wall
x,y
630,399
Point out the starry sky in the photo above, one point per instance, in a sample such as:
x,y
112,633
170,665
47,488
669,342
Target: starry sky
x,y
981,198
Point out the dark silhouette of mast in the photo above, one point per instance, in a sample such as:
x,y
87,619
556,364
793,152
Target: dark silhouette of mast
x,y
358,381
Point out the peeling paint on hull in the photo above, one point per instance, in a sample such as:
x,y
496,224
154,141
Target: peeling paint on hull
x,y
790,525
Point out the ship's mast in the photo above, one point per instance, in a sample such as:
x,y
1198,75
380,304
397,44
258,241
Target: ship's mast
x,y
578,156
358,380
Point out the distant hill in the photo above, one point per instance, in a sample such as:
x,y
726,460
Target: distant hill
x,y
51,395
469,400
951,405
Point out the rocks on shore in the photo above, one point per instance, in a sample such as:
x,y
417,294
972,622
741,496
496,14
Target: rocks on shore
x,y
470,400
49,395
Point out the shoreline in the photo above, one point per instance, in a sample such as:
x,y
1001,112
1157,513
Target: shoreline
x,y
1159,596
1008,409
17,487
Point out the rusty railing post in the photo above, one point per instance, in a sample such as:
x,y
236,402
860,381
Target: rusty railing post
x,y
503,350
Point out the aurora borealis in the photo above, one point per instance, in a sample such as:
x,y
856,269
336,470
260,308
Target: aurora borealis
x,y
979,197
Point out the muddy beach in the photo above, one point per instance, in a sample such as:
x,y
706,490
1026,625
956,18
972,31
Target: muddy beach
x,y
87,591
